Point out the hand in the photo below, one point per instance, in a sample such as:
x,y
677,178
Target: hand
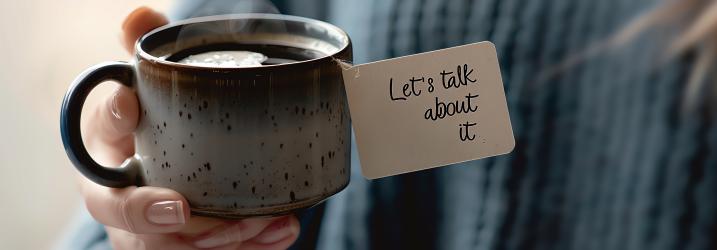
x,y
152,217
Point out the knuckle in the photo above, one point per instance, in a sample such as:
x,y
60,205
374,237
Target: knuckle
x,y
125,211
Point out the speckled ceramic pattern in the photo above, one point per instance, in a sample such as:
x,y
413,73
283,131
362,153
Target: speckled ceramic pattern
x,y
244,142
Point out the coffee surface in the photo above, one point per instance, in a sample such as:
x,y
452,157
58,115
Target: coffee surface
x,y
225,59
235,55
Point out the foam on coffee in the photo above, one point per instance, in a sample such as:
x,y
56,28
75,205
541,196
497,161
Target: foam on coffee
x,y
225,59
237,55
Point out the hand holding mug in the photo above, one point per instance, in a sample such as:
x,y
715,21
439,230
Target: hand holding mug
x,y
149,217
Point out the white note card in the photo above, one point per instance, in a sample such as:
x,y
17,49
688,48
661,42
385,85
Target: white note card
x,y
428,110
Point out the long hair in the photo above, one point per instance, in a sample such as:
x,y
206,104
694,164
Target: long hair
x,y
695,23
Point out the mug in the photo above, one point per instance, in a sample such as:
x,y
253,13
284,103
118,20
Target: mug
x,y
236,142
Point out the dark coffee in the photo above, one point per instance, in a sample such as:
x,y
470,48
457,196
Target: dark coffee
x,y
276,54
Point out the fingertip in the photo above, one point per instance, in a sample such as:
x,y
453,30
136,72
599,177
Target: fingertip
x,y
295,229
295,226
156,210
138,22
139,11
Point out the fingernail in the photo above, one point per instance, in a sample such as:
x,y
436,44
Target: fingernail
x,y
166,213
224,237
114,109
276,231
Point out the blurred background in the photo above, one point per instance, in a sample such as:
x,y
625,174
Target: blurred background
x,y
45,45
615,150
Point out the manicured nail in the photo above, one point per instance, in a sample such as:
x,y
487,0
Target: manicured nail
x,y
229,235
166,213
276,231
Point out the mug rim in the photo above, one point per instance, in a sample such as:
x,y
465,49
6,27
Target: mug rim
x,y
156,60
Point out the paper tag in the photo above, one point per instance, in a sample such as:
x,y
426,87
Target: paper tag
x,y
428,110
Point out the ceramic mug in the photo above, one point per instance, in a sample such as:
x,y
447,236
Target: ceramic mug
x,y
236,142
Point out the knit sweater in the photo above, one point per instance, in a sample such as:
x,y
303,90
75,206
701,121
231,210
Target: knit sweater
x,y
605,158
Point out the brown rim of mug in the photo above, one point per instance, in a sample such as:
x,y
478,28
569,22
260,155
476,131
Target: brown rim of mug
x,y
155,60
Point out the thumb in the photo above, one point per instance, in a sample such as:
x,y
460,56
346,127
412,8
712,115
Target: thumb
x,y
140,210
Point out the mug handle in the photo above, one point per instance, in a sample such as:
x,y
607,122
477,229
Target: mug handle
x,y
127,173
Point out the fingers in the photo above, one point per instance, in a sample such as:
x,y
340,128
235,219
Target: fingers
x,y
253,226
278,230
123,240
199,225
279,235
140,210
261,233
139,22
112,123
223,235
232,233
280,245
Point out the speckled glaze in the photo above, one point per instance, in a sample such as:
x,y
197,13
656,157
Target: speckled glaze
x,y
241,142
244,141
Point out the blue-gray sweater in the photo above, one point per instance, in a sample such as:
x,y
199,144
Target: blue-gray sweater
x,y
605,159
